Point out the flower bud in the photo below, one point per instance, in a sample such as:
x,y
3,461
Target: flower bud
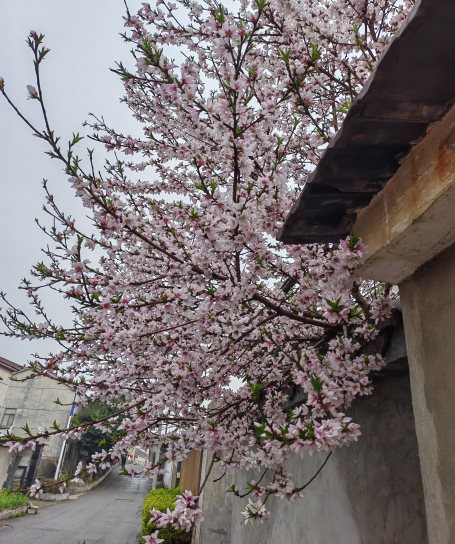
x,y
2,84
33,93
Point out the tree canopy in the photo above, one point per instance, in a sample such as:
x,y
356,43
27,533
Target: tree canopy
x,y
215,335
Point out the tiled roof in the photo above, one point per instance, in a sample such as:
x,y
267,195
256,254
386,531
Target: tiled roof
x,y
9,365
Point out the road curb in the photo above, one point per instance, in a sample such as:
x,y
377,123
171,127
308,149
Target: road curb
x,y
54,496
13,512
76,491
88,487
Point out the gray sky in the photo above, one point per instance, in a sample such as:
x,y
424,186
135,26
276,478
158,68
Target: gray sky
x,y
84,39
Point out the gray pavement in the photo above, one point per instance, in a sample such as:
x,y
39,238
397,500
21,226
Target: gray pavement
x,y
108,514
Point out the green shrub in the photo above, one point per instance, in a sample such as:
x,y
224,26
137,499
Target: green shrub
x,y
11,499
162,499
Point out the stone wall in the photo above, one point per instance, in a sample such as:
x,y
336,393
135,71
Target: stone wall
x,y
369,493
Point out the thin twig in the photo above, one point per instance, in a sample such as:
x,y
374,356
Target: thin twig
x,y
206,477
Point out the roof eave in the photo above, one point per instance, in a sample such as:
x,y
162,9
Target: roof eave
x,y
410,89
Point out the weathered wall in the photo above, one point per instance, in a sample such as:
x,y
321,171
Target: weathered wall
x,y
412,219
428,299
4,382
34,401
370,493
4,462
217,507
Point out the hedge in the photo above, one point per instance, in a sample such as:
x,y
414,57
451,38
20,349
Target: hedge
x,y
162,499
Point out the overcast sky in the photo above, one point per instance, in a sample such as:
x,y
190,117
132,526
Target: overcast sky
x,y
85,42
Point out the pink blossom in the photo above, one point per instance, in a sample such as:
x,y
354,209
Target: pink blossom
x,y
255,511
190,320
153,538
35,489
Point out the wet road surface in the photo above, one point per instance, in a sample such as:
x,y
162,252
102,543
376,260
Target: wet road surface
x,y
108,514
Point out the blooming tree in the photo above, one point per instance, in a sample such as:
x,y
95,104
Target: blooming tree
x,y
211,333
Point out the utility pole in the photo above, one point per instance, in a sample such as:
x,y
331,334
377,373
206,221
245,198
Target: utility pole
x,y
63,449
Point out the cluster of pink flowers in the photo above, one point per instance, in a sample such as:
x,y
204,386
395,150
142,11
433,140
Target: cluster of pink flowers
x,y
35,489
255,511
185,306
184,515
153,538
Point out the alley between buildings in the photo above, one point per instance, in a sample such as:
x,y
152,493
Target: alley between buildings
x,y
109,514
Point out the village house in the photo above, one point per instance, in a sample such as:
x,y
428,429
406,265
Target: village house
x,y
32,402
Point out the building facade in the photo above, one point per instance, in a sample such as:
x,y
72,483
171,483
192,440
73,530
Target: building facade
x,y
25,400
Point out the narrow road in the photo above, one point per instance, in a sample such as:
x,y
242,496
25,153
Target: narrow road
x,y
109,514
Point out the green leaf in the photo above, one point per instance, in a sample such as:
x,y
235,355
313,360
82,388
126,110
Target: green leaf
x,y
256,389
315,54
285,55
317,383
233,490
219,15
345,107
211,290
261,4
60,334
26,429
334,304
353,240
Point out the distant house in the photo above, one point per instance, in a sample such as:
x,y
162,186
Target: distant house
x,y
138,456
6,369
25,400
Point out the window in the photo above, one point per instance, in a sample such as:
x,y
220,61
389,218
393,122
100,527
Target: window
x,y
8,418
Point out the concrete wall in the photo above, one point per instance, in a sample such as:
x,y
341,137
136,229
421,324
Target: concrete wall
x,y
428,299
5,457
409,229
412,219
369,493
34,401
4,382
217,507
168,475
